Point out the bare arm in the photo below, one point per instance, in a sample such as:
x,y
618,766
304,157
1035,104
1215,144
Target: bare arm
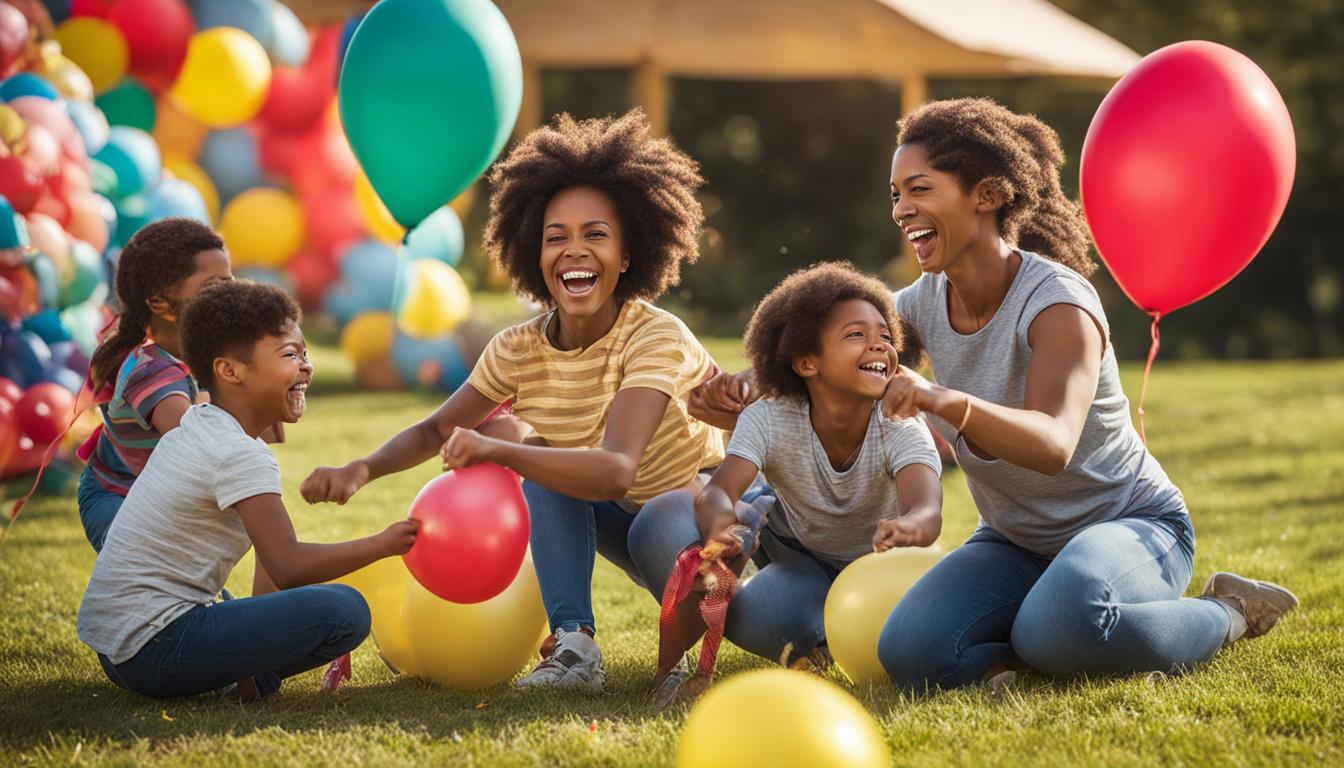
x,y
1066,349
716,506
293,563
919,518
408,448
168,413
719,400
594,474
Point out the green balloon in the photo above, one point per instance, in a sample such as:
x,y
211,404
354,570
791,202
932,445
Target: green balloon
x,y
429,92
128,103
88,275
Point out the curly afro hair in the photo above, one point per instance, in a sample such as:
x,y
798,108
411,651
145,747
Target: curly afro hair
x,y
652,183
979,139
227,319
787,323
155,261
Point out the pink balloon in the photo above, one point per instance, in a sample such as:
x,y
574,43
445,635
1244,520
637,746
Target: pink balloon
x,y
1185,171
48,113
46,235
87,219
43,150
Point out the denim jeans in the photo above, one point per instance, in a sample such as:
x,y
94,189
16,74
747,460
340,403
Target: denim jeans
x,y
780,607
1109,602
269,637
97,507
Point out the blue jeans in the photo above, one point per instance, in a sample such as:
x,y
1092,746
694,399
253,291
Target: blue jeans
x,y
97,508
780,607
268,637
1109,602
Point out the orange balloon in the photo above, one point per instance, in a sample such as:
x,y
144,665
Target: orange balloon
x,y
175,131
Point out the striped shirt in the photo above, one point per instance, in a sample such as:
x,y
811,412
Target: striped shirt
x,y
147,376
564,394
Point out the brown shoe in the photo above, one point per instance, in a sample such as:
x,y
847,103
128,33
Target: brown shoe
x,y
1262,603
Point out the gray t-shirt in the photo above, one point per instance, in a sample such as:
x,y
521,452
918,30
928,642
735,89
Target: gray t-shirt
x,y
1111,475
832,513
177,536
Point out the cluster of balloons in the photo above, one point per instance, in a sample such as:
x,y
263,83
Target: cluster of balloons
x,y
462,607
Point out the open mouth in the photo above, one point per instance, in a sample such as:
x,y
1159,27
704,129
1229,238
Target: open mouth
x,y
578,282
876,369
297,396
923,239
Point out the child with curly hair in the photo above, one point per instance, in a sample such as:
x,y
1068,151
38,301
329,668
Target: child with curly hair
x,y
209,492
139,380
594,220
1085,546
847,481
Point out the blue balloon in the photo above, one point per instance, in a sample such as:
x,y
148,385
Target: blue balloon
x,y
175,197
290,46
59,10
231,160
343,304
251,16
47,325
48,281
67,378
134,157
90,123
27,84
264,275
24,356
433,363
61,351
437,237
370,267
347,32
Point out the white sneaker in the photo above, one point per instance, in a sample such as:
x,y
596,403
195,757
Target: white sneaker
x,y
576,663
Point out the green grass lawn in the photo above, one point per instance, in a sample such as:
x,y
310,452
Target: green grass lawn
x,y
1257,448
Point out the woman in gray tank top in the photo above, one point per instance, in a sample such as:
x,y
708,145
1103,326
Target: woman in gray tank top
x,y
1084,546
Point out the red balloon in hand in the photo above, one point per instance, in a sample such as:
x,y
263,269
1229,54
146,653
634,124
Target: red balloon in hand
x,y
1186,169
473,533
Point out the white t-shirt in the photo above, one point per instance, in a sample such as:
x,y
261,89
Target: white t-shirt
x,y
177,536
833,513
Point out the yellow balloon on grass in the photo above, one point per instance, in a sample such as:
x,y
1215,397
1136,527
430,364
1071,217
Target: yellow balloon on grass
x,y
477,645
262,227
183,168
376,216
97,47
368,337
860,601
383,585
225,77
778,718
176,131
433,299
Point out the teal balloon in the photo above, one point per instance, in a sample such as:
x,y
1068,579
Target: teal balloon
x,y
134,157
47,279
128,103
175,197
429,92
437,237
91,124
132,214
103,178
84,321
88,275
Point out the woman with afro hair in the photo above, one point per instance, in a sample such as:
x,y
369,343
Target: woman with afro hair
x,y
1084,546
592,219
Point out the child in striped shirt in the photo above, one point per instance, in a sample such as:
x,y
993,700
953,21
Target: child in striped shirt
x,y
593,219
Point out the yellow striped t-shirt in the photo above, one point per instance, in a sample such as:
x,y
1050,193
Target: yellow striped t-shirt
x,y
564,394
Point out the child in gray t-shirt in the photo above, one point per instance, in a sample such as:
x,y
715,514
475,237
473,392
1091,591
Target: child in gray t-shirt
x,y
209,492
823,345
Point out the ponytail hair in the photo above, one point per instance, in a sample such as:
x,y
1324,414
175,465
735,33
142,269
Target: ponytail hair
x,y
154,262
978,140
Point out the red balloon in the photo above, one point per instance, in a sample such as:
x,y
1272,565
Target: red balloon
x,y
156,32
297,99
10,434
333,218
97,8
473,533
20,183
9,391
312,272
1186,168
44,412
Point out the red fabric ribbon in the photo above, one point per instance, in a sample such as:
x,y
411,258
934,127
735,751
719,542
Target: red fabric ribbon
x,y
713,608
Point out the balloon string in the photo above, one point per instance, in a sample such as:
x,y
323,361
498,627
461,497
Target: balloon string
x,y
1147,369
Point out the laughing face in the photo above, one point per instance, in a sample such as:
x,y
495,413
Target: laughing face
x,y
279,374
938,216
857,357
582,250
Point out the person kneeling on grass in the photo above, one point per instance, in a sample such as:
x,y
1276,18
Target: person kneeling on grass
x,y
210,490
847,481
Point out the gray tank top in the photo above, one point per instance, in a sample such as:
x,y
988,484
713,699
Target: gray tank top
x,y
1111,475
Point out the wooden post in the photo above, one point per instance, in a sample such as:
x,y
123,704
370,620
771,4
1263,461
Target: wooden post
x,y
649,89
529,114
914,91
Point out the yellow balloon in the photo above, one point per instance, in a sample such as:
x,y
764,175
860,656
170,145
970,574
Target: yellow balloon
x,y
376,216
477,645
225,77
860,601
97,47
176,131
435,299
262,227
776,718
183,168
368,337
12,125
383,585
70,81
